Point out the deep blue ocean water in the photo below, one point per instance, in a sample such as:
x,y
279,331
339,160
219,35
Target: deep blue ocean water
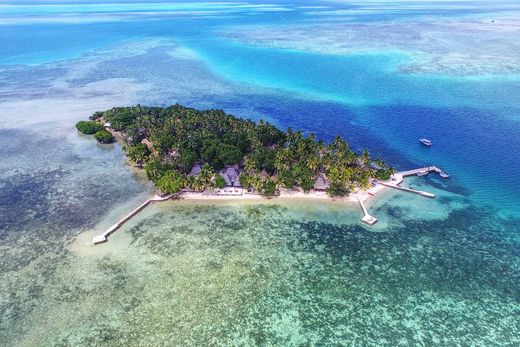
x,y
59,61
472,121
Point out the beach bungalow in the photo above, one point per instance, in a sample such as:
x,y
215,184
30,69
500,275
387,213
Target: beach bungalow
x,y
321,183
107,125
230,175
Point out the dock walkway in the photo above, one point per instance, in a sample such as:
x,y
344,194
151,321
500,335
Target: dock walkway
x,y
422,170
104,237
367,218
397,179
419,192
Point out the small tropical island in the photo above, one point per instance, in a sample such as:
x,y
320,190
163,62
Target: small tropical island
x,y
186,150
193,154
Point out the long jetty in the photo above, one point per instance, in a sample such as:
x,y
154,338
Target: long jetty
x,y
419,192
104,237
424,170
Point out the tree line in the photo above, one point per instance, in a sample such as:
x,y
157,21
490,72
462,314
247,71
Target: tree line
x,y
169,141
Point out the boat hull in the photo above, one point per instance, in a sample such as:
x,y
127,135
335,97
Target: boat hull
x,y
425,142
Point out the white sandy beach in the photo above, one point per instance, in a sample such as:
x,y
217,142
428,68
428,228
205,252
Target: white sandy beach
x,y
364,195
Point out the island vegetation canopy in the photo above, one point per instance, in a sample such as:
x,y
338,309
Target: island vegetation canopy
x,y
184,148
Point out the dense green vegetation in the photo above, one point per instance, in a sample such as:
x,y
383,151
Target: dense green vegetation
x,y
89,128
169,141
96,129
104,136
138,152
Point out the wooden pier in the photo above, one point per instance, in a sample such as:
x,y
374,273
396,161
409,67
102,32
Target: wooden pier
x,y
395,182
398,177
419,192
104,237
367,218
424,170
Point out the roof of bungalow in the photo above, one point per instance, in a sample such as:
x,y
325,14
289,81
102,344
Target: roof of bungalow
x,y
223,174
107,125
195,170
264,173
321,182
147,143
230,175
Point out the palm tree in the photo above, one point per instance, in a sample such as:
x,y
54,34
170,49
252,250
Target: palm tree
x,y
301,147
313,163
380,163
206,173
363,181
198,184
256,144
334,174
289,134
249,164
365,158
346,174
339,145
282,160
256,182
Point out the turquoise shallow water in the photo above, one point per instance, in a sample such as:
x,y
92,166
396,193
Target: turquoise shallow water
x,y
431,272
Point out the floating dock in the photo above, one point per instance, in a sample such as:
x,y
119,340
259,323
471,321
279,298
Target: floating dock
x,y
104,237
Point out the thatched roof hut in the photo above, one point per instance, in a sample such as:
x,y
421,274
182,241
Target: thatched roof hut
x,y
321,182
230,175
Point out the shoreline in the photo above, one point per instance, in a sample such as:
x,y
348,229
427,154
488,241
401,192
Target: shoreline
x,y
350,201
360,197
363,195
284,195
